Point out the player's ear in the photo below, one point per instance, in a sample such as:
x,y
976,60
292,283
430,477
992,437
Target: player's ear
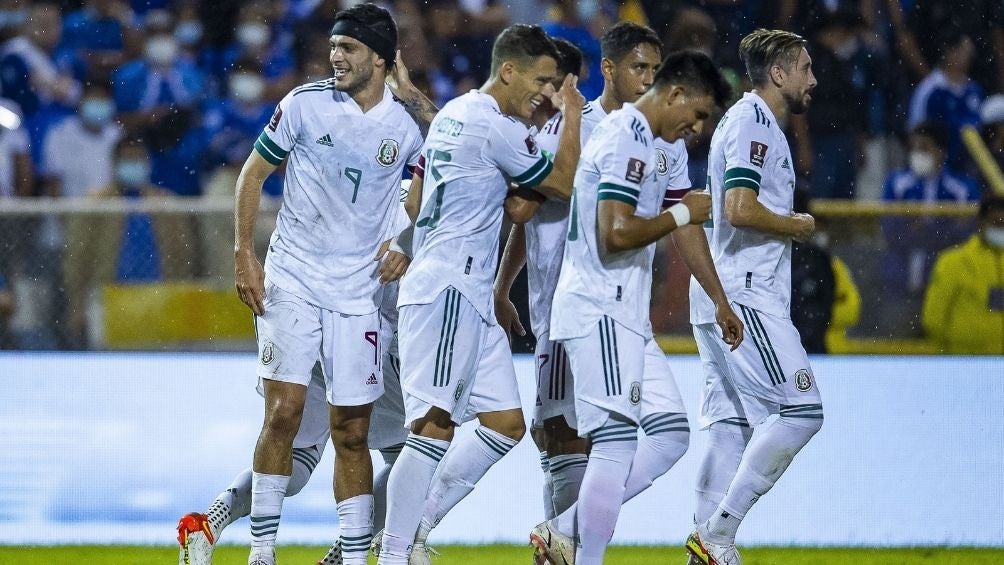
x,y
506,72
674,94
607,69
776,74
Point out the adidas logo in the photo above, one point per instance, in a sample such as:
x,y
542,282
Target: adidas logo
x,y
785,164
325,140
372,380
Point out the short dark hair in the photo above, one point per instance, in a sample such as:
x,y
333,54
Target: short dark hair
x,y
695,70
624,37
570,57
765,48
378,20
520,43
990,205
935,131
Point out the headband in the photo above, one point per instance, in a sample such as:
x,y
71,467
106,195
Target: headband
x,y
382,46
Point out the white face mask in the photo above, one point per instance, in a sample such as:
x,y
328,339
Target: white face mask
x,y
133,173
921,163
246,87
188,33
161,50
253,35
994,236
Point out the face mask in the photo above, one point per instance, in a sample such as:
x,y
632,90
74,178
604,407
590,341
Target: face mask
x,y
847,49
253,35
161,50
587,9
921,163
133,173
994,236
188,33
246,87
97,111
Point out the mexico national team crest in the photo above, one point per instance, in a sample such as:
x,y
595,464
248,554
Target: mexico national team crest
x,y
661,161
803,380
387,154
268,353
635,396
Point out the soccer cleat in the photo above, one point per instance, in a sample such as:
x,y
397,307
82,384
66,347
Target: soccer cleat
x,y
196,540
551,546
421,554
262,556
707,553
333,556
377,543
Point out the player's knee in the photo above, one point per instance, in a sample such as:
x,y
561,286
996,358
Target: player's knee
x,y
512,428
559,431
810,423
283,417
351,435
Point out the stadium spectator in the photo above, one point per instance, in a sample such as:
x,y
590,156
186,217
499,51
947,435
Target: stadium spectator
x,y
813,286
77,153
964,305
255,37
576,22
948,95
149,88
913,241
992,116
98,33
17,177
830,153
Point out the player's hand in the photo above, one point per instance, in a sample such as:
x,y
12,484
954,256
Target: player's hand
x,y
508,317
806,224
699,204
398,78
731,325
393,264
568,100
250,281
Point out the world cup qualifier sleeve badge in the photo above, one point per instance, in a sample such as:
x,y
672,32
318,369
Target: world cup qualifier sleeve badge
x,y
388,152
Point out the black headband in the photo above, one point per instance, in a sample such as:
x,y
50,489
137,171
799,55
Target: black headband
x,y
382,46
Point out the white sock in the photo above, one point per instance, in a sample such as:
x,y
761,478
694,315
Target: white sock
x,y
267,492
548,487
464,465
666,438
766,458
355,519
407,489
613,447
305,460
390,455
566,477
726,443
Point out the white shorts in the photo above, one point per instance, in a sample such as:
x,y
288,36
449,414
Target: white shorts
x,y
621,372
315,424
387,421
555,384
719,400
293,334
770,371
453,359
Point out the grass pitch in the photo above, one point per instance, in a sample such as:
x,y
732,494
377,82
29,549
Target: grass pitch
x,y
509,554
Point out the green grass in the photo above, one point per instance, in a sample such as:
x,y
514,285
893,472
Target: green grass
x,y
507,554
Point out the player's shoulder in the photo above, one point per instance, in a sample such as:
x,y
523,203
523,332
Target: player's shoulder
x,y
748,113
311,87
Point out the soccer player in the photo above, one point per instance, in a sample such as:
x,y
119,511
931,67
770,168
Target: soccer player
x,y
455,359
752,184
600,307
346,142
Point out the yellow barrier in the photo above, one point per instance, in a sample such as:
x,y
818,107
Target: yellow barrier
x,y
159,315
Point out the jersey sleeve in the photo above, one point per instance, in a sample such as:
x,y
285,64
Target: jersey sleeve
x,y
622,166
678,179
279,135
747,151
514,150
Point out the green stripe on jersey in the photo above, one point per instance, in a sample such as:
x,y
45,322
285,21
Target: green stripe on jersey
x,y
741,177
269,150
535,174
625,194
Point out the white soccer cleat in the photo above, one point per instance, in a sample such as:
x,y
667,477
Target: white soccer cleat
x,y
707,553
377,543
196,540
333,556
551,546
262,556
421,554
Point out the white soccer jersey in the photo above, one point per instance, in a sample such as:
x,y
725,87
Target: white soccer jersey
x,y
617,163
342,189
470,155
748,149
546,231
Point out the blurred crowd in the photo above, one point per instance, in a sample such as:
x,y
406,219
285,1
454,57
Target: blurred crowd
x,y
164,98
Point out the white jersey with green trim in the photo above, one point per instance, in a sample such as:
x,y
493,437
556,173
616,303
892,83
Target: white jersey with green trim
x,y
342,184
618,163
471,154
749,150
